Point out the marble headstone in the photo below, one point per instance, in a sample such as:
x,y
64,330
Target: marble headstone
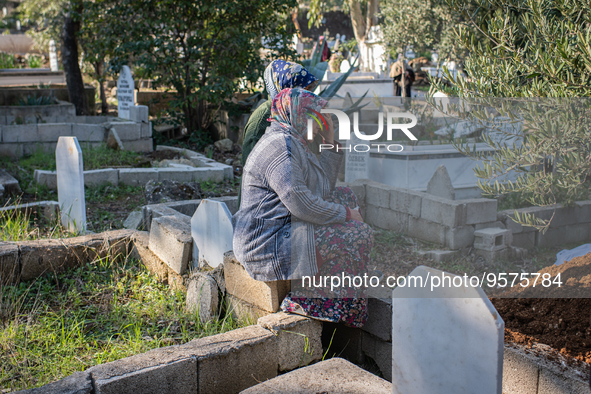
x,y
440,184
212,231
125,93
356,163
446,339
53,56
70,184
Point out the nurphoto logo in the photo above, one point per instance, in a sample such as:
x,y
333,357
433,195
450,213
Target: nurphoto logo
x,y
345,130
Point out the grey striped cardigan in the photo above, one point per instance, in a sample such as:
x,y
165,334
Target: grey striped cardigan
x,y
283,186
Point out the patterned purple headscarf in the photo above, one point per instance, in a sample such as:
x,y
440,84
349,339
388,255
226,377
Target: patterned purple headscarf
x,y
281,74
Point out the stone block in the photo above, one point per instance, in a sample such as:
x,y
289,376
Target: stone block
x,y
386,218
146,130
134,221
335,375
406,201
379,320
128,131
140,145
47,178
557,382
9,264
89,132
299,339
379,351
563,235
459,237
520,373
20,133
243,311
47,255
137,176
9,183
264,295
159,371
377,194
235,360
142,252
565,216
176,174
426,230
480,210
449,213
158,210
583,209
11,150
139,113
524,240
497,224
50,132
170,240
492,239
440,184
77,383
203,296
101,177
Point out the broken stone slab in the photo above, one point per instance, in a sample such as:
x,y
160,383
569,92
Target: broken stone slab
x,y
134,220
379,320
379,351
113,140
224,145
77,383
446,338
299,339
440,184
331,376
202,296
10,184
264,295
170,240
141,251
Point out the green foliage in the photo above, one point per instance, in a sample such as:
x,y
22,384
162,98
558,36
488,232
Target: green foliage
x,y
34,61
204,51
530,49
46,18
34,100
101,312
6,60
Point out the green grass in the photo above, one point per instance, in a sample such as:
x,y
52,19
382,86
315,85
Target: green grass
x,y
98,313
19,225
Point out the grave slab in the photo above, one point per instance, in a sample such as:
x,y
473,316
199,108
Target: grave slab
x,y
440,184
70,184
9,183
445,340
202,296
212,230
331,376
125,93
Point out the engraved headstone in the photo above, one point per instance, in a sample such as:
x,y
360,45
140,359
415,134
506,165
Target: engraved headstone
x,y
211,227
125,93
446,338
356,159
440,184
53,56
70,184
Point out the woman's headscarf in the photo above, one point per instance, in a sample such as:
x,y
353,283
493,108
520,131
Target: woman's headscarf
x,y
292,108
281,74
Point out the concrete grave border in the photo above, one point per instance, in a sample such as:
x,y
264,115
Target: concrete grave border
x,y
208,170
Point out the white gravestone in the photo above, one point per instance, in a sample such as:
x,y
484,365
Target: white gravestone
x,y
125,93
212,231
356,162
446,339
53,56
70,184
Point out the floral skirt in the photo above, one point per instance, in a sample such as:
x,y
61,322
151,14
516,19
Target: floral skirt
x,y
344,248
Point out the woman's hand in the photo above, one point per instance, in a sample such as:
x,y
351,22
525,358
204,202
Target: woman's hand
x,y
328,135
356,215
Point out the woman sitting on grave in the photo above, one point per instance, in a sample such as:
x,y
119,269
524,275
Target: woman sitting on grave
x,y
293,223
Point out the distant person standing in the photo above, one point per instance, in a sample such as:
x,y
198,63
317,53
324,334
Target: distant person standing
x,y
396,75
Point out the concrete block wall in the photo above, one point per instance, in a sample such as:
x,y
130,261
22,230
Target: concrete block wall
x,y
17,140
223,363
568,225
450,223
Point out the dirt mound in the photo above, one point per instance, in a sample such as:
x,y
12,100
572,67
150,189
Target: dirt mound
x,y
562,323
